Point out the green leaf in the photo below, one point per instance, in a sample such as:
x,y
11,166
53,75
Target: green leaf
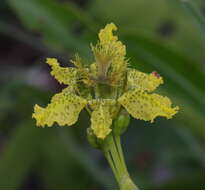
x,y
21,153
85,161
189,182
54,20
193,9
159,18
59,169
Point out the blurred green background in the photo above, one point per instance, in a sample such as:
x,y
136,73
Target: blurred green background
x,y
167,36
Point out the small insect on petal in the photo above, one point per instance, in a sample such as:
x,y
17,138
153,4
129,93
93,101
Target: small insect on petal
x,y
156,74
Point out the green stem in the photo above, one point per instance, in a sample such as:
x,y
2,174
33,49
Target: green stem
x,y
114,154
119,147
112,165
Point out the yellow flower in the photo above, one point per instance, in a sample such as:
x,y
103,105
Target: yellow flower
x,y
103,88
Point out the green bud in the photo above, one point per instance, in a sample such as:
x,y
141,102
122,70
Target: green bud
x,y
121,123
92,139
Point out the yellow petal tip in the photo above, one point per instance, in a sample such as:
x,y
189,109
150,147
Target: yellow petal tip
x,y
52,61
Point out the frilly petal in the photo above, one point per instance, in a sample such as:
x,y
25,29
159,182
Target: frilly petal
x,y
110,56
63,109
101,121
144,106
63,75
142,81
106,34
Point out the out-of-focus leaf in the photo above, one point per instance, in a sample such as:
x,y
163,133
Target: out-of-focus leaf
x,y
85,160
159,18
58,168
196,150
17,100
21,153
193,8
7,29
54,20
190,182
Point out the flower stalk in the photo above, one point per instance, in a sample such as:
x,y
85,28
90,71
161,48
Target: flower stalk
x,y
113,152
